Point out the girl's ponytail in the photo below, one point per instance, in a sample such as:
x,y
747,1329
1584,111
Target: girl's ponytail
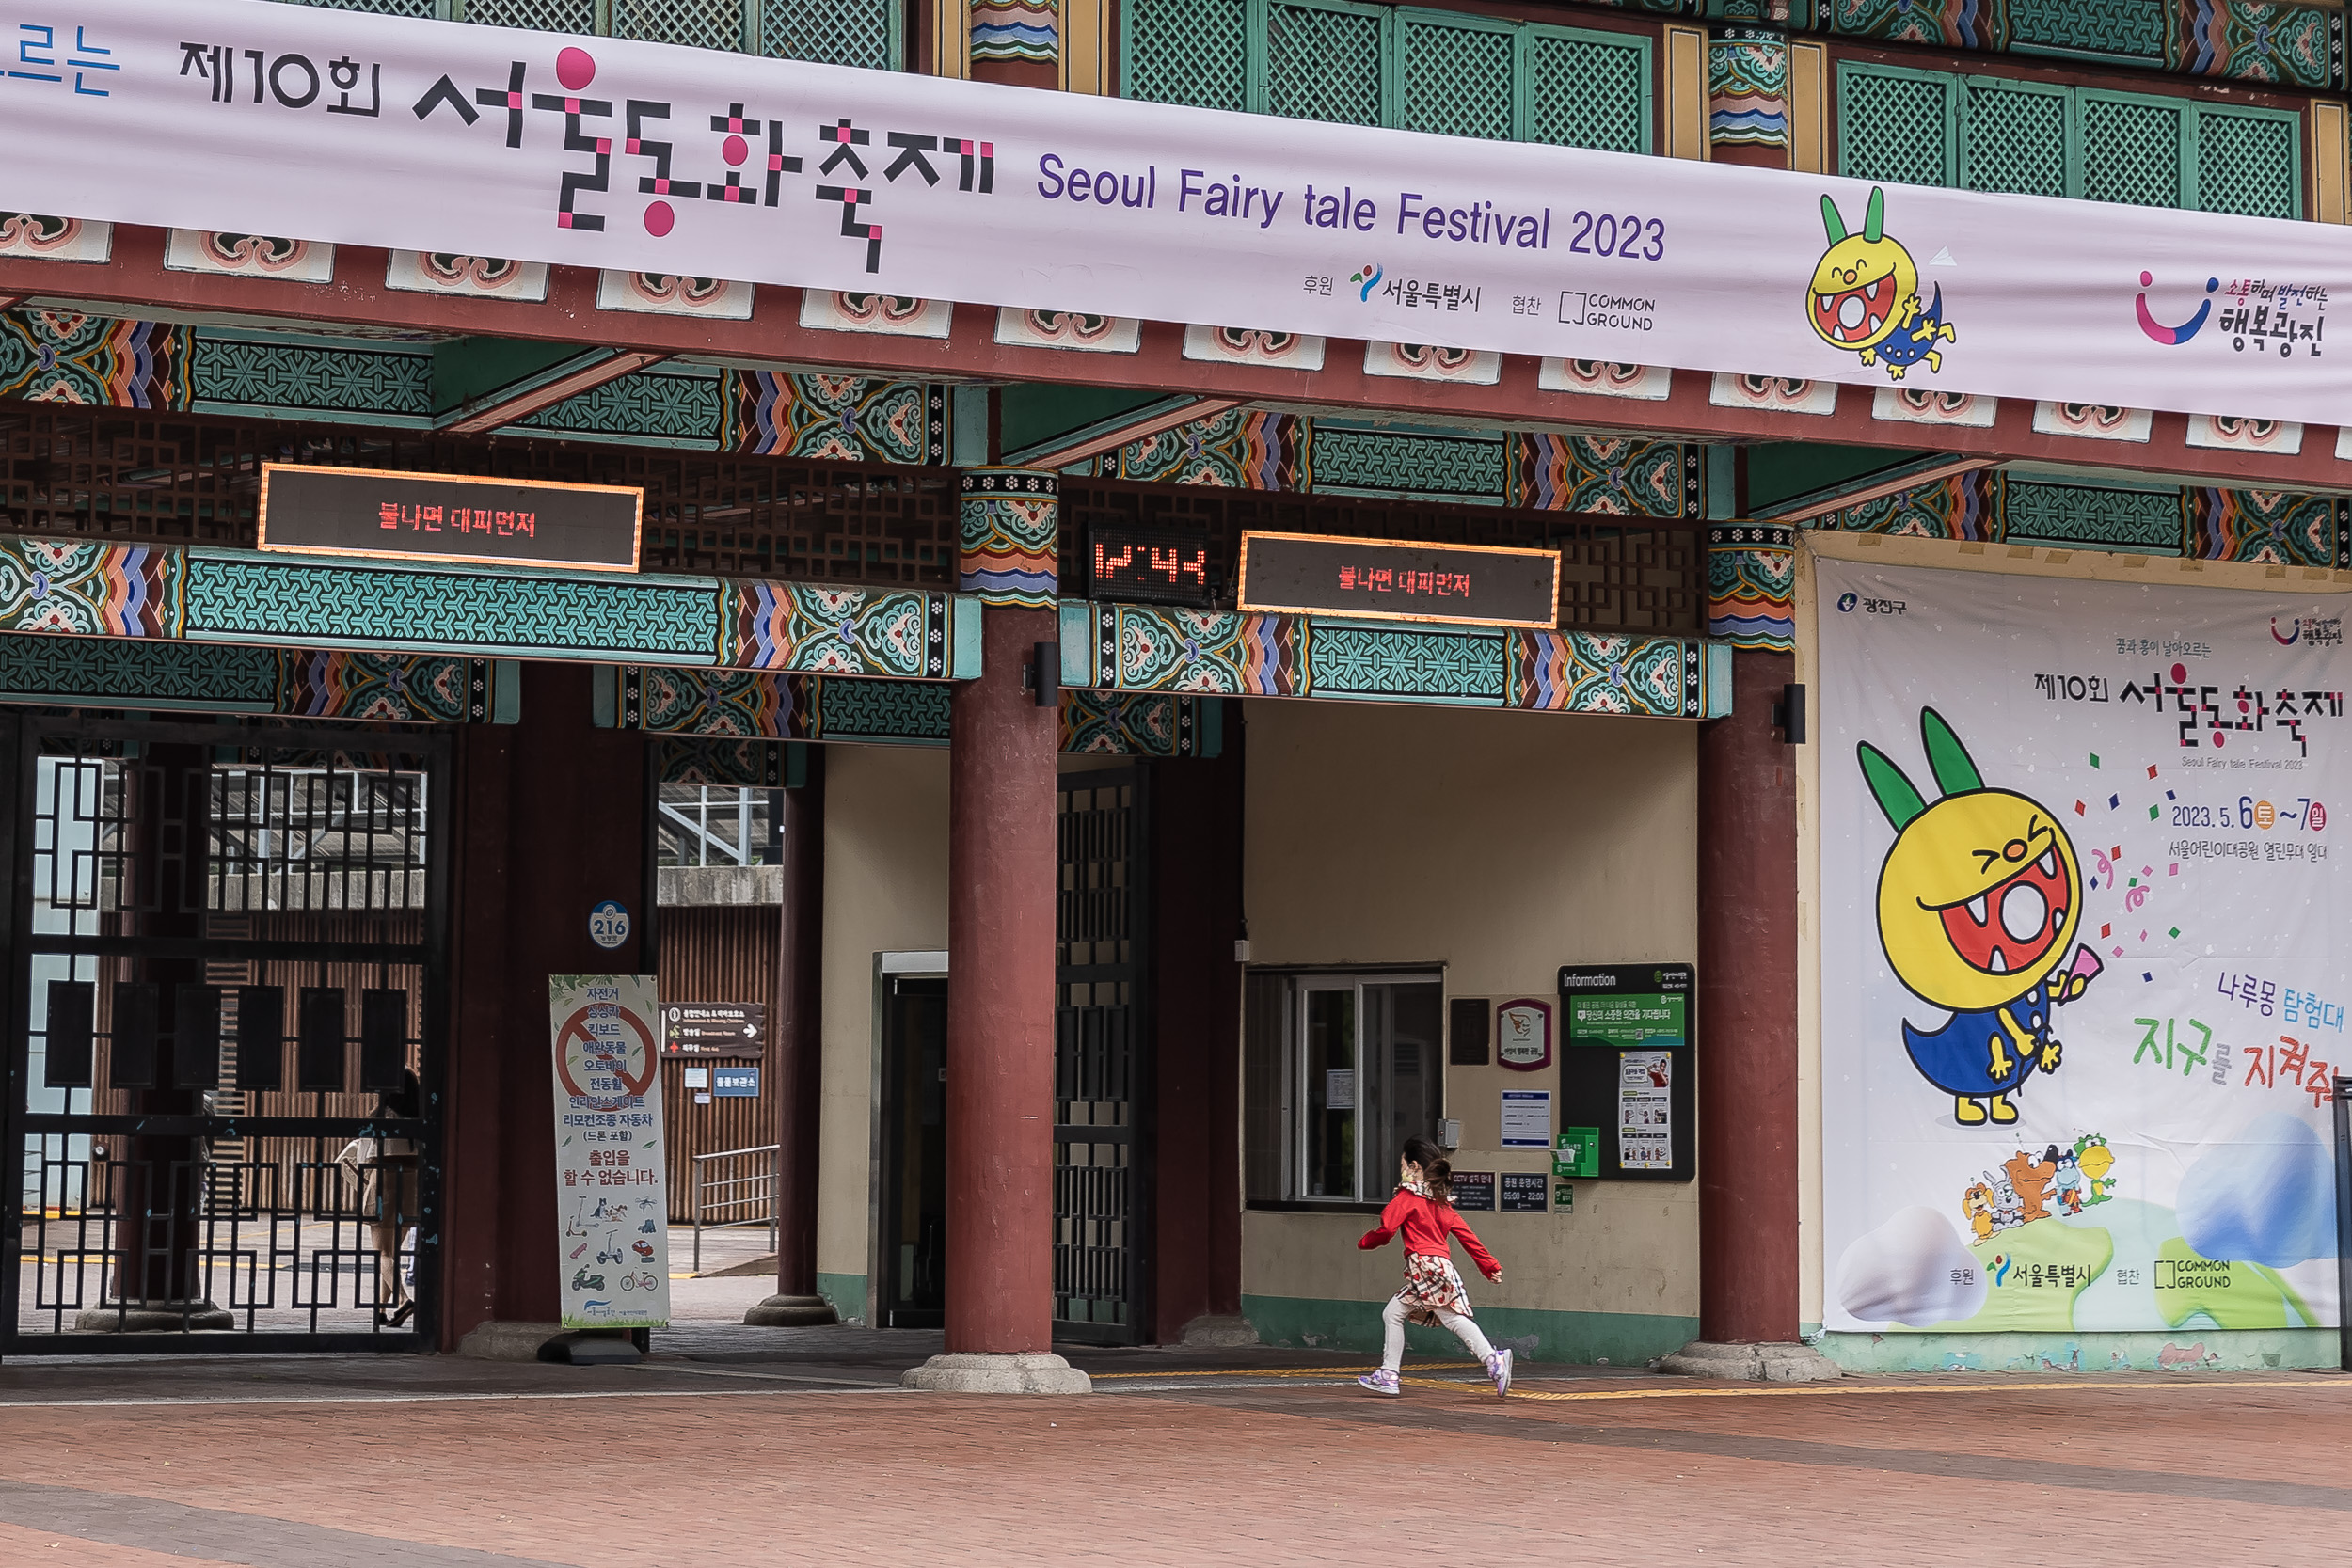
x,y
1436,1172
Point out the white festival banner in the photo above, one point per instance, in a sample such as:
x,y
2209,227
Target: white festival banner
x,y
612,1187
251,116
2083,976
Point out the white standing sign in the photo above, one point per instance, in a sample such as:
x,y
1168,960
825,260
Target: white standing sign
x,y
611,1196
320,124
2083,977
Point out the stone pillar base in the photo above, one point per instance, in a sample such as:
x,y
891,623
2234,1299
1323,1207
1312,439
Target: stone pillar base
x,y
507,1341
1217,1333
592,1348
792,1312
1032,1372
1774,1363
154,1317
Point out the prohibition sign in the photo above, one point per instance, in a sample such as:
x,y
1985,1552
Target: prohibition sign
x,y
576,1030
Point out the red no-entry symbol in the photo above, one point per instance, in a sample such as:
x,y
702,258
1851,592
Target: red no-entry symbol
x,y
576,1030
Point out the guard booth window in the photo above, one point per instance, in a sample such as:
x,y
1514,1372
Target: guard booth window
x,y
1341,1070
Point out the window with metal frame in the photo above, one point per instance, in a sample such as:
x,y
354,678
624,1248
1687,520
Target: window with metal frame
x,y
1339,1071
1998,133
1406,67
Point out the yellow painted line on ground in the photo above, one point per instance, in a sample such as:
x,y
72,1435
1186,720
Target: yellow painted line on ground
x,y
1289,1371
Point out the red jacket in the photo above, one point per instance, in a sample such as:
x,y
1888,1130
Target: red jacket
x,y
1428,1226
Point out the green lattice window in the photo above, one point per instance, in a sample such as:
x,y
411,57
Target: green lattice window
x,y
1587,89
697,24
1898,125
833,32
1451,67
2019,137
1323,60
546,16
1995,134
2249,161
1195,52
383,7
1419,69
864,33
2135,149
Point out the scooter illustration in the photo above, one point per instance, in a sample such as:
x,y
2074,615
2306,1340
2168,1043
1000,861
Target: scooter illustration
x,y
583,1280
610,1252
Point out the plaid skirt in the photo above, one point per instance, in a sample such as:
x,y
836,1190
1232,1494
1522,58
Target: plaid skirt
x,y
1430,1284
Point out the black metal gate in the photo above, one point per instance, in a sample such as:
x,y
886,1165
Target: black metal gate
x,y
1102,1061
224,1003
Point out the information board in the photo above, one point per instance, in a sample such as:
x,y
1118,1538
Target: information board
x,y
1527,1118
1474,1190
368,512
714,1029
611,1193
1523,1191
1389,579
1626,1068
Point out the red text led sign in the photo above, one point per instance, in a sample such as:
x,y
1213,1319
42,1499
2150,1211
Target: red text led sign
x,y
366,512
1151,563
1386,580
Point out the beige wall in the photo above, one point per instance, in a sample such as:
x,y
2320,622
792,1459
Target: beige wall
x,y
1501,845
885,891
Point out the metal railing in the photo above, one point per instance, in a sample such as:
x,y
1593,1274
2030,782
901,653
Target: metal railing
x,y
737,1196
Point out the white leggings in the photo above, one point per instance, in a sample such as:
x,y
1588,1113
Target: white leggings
x,y
1465,1329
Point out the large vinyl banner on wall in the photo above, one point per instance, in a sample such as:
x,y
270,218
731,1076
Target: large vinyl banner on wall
x,y
323,125
2084,972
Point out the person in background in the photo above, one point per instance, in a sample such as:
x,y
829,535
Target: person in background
x,y
1424,1209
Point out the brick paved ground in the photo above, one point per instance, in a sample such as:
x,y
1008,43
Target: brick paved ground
x,y
448,1465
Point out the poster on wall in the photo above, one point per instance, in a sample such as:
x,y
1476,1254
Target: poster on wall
x,y
1646,1110
2082,975
611,1192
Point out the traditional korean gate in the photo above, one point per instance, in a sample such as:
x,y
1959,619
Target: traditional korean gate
x,y
1102,1061
223,1000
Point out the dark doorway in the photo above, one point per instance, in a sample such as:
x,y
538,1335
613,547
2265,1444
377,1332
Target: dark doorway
x,y
910,1289
225,988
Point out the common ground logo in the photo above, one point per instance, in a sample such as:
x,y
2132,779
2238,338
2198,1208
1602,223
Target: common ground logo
x,y
2156,330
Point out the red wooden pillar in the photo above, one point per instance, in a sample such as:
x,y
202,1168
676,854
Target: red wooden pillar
x,y
1749,1232
798,1055
1002,874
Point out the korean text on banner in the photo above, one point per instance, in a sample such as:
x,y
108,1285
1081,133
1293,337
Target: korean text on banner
x,y
2082,969
612,1195
643,157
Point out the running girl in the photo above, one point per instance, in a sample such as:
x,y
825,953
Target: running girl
x,y
1424,1209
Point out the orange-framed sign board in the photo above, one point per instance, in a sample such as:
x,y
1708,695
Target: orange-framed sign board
x,y
1392,579
404,516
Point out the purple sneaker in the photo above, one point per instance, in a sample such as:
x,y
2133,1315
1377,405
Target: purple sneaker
x,y
1499,1368
1381,1382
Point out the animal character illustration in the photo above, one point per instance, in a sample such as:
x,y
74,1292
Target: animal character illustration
x,y
2096,1160
2030,1174
1976,1206
2068,1182
2006,1207
1977,897
1864,296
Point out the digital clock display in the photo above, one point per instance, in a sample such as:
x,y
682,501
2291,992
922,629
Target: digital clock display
x,y
1151,563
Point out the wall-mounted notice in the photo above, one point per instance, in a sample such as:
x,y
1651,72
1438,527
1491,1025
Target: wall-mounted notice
x,y
1626,1078
1523,1034
1646,1110
1474,1190
1527,1118
1523,1191
611,1198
